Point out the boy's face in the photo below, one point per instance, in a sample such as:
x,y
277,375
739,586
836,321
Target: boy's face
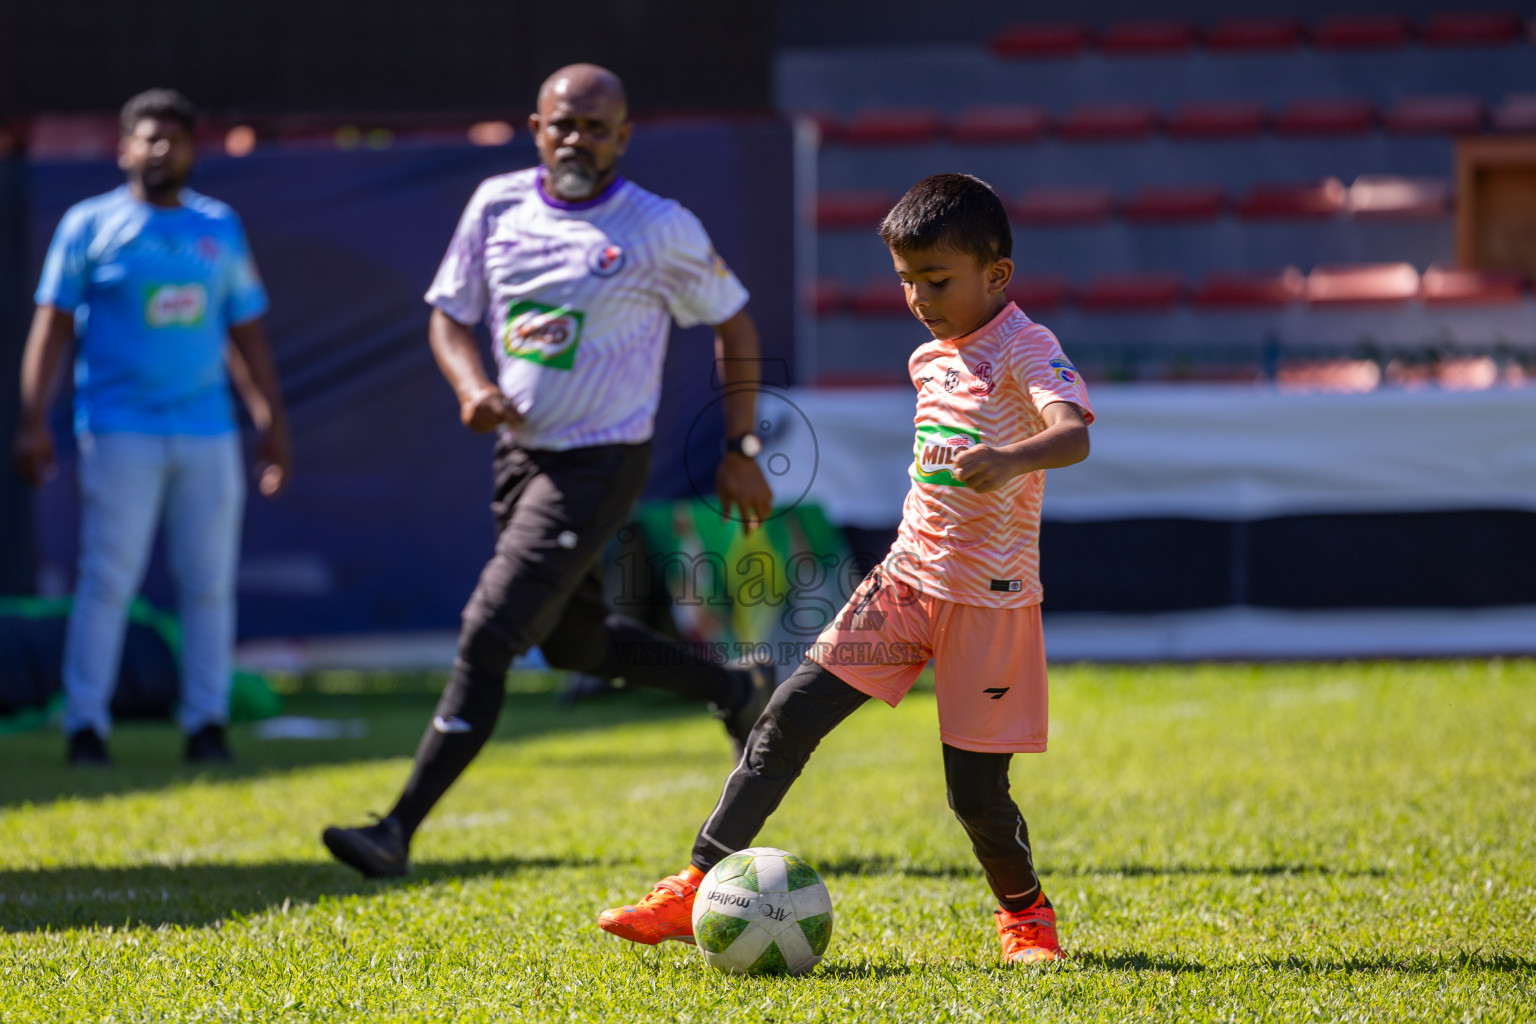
x,y
952,292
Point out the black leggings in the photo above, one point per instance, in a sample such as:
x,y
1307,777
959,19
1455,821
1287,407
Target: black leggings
x,y
810,704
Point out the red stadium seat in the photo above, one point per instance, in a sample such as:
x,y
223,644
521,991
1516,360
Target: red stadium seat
x,y
1471,28
829,296
1132,292
1058,39
1327,198
1217,120
1234,290
879,296
1362,284
1173,203
1361,32
988,125
1387,196
1039,291
853,208
827,124
1093,122
1436,115
892,127
1063,204
1326,117
1147,37
1250,34
1449,286
1517,113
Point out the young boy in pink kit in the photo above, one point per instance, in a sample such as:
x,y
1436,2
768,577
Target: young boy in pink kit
x,y
997,405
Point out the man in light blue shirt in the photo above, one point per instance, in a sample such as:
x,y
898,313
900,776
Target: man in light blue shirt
x,y
156,286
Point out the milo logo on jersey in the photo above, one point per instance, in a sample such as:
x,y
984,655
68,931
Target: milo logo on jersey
x,y
935,450
541,334
175,305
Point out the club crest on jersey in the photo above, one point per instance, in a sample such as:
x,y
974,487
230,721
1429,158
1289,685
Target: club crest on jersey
x,y
1064,371
175,305
935,450
951,379
542,334
605,259
983,385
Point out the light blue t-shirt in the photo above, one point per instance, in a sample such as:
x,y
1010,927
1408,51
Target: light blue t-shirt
x,y
154,291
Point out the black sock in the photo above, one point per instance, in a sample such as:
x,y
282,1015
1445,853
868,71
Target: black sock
x,y
462,722
978,794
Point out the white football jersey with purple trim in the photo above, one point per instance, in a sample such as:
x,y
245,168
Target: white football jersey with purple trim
x,y
578,297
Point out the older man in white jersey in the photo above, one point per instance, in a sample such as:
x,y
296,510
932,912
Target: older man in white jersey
x,y
578,274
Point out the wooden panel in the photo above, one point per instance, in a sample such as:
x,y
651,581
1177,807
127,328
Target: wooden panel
x,y
1496,205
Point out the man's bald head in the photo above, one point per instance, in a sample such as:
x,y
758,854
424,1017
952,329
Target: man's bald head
x,y
588,82
581,129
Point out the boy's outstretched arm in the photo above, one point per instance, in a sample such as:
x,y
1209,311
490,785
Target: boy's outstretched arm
x,y
1063,442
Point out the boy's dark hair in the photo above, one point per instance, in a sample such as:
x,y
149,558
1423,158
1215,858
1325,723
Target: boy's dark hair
x,y
157,103
954,210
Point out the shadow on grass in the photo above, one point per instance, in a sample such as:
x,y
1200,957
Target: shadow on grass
x,y
866,971
882,865
1424,963
195,895
147,755
1137,962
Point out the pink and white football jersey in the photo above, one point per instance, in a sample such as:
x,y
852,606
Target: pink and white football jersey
x,y
987,387
578,297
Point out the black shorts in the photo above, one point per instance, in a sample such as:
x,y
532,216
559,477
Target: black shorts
x,y
555,512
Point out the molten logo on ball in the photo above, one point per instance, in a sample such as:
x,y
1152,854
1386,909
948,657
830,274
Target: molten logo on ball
x,y
762,911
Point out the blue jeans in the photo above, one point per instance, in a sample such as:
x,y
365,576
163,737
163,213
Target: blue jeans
x,y
125,482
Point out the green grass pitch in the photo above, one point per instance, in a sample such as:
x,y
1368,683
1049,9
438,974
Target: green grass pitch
x,y
1339,842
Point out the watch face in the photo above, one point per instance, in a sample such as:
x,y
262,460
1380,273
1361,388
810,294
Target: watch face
x,y
751,445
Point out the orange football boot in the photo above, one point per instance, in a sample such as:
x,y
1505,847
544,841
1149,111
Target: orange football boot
x,y
1029,935
667,913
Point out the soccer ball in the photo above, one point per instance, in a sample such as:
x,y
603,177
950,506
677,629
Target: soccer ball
x,y
762,911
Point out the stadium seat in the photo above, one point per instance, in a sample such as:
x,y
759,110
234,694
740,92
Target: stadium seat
x,y
1326,198
1470,28
1057,39
879,296
1147,37
1388,196
1039,291
1361,284
1132,292
1436,115
1326,117
853,208
1361,32
988,125
1451,286
1173,203
1108,122
916,126
829,296
1063,204
1217,120
1250,34
1517,113
1229,290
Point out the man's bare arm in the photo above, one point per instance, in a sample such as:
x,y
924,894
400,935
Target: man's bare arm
x,y
255,378
48,340
482,406
739,481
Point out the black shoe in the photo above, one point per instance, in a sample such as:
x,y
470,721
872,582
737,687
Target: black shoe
x,y
85,747
761,679
379,850
207,746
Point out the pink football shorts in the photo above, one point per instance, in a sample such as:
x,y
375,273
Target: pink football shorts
x,y
989,663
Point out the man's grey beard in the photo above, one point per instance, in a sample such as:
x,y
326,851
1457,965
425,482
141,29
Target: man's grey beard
x,y
573,178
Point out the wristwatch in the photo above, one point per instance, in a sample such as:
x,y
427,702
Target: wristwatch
x,y
747,444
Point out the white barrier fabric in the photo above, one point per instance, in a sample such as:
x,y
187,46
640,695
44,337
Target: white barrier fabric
x,y
1194,451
